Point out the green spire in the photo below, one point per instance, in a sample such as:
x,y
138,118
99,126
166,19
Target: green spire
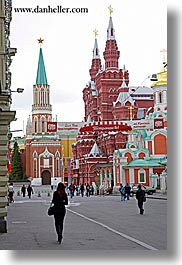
x,y
41,73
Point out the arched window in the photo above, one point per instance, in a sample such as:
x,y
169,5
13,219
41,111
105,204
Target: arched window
x,y
141,176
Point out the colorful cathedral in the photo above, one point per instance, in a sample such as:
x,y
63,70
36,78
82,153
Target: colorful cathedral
x,y
124,137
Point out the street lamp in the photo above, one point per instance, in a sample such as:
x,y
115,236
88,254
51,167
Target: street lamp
x,y
19,90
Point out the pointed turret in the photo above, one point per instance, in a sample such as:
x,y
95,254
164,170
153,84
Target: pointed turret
x,y
110,30
41,72
96,49
111,53
95,151
41,107
96,61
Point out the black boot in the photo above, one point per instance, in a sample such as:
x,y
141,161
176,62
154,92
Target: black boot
x,y
59,239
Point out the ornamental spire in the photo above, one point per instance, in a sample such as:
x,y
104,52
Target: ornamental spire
x,y
96,49
110,29
41,72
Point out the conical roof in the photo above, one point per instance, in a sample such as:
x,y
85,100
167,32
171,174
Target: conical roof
x,y
95,150
41,73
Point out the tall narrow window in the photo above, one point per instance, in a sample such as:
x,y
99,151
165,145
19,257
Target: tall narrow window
x,y
160,97
43,126
35,126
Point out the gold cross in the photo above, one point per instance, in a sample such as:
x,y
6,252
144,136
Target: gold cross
x,y
110,10
131,113
95,31
40,41
164,55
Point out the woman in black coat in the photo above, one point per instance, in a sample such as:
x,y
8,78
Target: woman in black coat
x,y
60,199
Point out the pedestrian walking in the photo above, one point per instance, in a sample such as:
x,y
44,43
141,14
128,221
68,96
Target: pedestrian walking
x,y
11,192
140,196
30,191
72,190
122,191
82,189
127,191
23,190
88,190
102,189
60,199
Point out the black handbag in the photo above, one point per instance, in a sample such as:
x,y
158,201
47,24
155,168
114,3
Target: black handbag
x,y
144,199
51,211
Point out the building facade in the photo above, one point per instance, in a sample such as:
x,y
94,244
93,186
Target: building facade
x,y
110,105
6,115
144,160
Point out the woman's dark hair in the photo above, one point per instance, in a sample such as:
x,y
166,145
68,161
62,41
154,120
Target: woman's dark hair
x,y
61,189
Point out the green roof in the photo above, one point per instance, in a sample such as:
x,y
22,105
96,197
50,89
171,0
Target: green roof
x,y
152,162
41,73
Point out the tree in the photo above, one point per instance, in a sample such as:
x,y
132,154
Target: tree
x,y
17,169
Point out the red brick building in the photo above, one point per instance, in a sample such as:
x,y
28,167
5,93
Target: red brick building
x,y
109,104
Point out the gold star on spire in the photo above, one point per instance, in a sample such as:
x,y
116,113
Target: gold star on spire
x,y
95,31
164,55
110,10
40,41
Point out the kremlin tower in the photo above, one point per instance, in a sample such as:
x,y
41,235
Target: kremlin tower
x,y
43,154
41,108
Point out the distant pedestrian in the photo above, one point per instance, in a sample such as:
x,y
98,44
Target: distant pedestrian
x,y
72,190
82,189
101,189
140,196
60,199
122,191
23,190
127,191
11,192
92,190
30,191
88,190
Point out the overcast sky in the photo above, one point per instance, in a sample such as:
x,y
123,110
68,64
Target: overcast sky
x,y
140,30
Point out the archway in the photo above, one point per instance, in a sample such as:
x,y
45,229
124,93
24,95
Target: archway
x,y
46,177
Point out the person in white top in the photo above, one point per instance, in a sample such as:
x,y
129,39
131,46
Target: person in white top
x,y
11,192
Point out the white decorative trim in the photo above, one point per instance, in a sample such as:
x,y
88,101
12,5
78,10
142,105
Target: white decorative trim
x,y
48,154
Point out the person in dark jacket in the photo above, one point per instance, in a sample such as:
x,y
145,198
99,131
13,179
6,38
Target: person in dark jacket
x,y
127,191
60,199
140,195
23,190
29,191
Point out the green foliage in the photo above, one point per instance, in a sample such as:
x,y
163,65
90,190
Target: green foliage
x,y
17,169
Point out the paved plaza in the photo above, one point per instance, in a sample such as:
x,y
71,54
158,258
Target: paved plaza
x,y
96,223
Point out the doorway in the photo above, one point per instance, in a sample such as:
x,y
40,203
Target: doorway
x,y
46,177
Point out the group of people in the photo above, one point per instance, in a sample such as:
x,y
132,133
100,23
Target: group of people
x,y
60,199
140,195
125,191
82,190
11,191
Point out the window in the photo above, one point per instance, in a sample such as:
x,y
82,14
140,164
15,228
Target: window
x,y
35,126
43,126
160,97
141,176
46,162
